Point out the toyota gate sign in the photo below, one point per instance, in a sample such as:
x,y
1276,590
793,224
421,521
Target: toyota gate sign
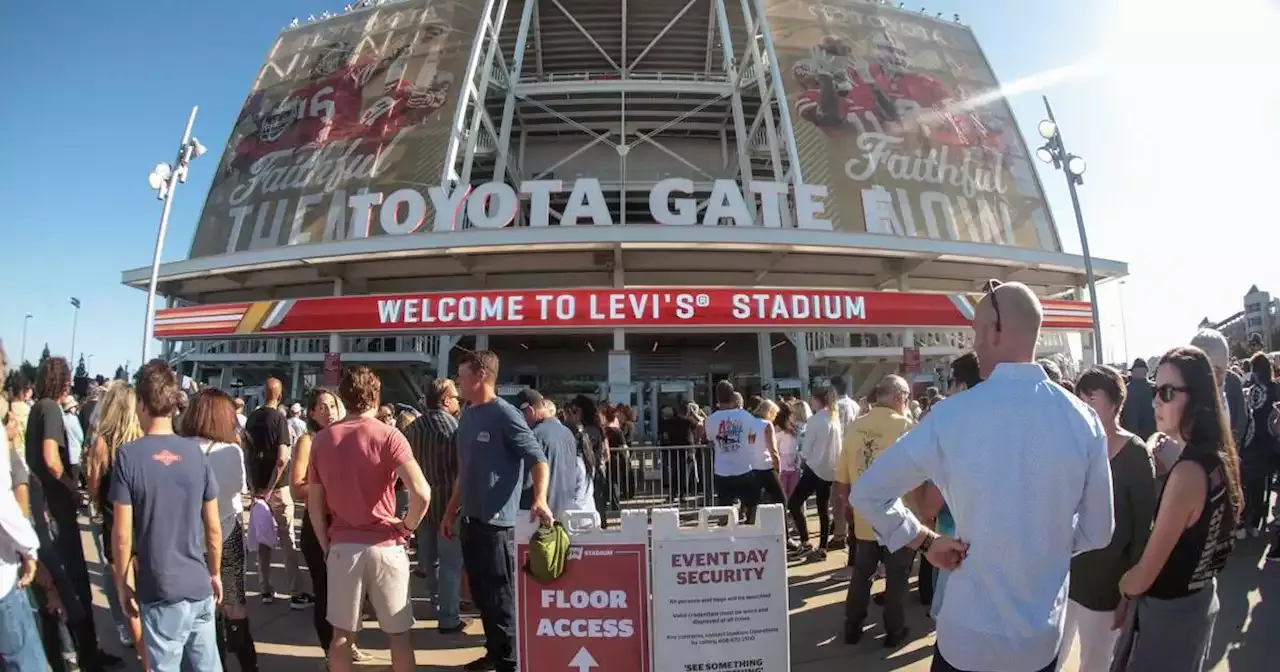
x,y
595,617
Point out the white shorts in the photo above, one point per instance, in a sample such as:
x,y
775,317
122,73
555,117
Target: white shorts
x,y
381,572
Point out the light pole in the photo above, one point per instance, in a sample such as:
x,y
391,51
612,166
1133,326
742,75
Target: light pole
x,y
164,179
75,321
1055,151
88,367
1124,324
25,321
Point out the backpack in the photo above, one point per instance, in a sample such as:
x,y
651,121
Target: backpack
x,y
548,550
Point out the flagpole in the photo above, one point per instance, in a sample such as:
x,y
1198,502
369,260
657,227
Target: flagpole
x,y
75,320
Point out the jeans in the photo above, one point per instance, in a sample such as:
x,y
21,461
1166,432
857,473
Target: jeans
x,y
744,488
897,566
319,569
940,664
20,646
181,636
810,484
489,553
441,559
1255,476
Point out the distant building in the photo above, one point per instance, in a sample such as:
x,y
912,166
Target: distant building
x,y
1261,315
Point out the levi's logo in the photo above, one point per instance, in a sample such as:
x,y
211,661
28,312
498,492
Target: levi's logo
x,y
166,458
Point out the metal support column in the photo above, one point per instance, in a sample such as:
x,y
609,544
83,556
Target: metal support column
x,y
509,106
482,89
335,340
447,173
619,372
784,112
766,107
764,350
742,137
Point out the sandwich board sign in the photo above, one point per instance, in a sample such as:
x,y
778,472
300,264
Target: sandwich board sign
x,y
595,616
720,592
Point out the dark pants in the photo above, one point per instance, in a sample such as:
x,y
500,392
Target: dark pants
x,y
677,462
810,484
744,488
867,555
940,664
310,547
771,486
73,582
1255,475
924,581
489,555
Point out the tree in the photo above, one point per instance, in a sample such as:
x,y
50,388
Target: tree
x,y
121,374
29,371
1239,350
82,371
44,356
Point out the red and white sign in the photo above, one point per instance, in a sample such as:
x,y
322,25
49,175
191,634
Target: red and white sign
x,y
595,617
693,308
332,369
911,360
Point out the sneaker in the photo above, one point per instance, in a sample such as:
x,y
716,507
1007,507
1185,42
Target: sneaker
x,y
816,555
454,629
269,597
836,544
302,601
480,665
358,656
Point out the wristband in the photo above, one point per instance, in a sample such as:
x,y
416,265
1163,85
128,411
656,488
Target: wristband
x,y
927,543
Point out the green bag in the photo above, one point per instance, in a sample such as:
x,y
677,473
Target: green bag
x,y
548,550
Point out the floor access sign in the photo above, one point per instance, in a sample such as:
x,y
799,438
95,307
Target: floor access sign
x,y
720,593
595,617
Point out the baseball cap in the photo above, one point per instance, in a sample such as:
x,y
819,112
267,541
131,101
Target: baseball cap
x,y
529,398
295,408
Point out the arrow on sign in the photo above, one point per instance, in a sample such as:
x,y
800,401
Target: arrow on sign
x,y
582,661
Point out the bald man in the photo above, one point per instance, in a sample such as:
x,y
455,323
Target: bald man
x,y
267,437
1022,463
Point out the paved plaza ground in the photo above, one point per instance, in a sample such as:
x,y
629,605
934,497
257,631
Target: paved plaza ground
x,y
1246,637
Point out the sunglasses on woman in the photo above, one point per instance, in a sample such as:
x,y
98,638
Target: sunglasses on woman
x,y
1167,392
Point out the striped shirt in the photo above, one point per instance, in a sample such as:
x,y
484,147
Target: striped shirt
x,y
433,438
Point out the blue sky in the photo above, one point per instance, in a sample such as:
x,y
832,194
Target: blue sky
x,y
1173,112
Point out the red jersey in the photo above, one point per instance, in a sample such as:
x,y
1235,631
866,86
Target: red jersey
x,y
851,110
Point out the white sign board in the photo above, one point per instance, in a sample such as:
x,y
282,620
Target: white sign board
x,y
720,593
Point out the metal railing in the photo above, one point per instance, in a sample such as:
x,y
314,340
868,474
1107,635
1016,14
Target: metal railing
x,y
645,477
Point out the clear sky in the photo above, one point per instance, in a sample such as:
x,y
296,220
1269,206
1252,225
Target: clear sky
x,y
96,93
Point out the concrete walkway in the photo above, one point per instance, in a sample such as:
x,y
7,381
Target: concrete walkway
x,y
1245,638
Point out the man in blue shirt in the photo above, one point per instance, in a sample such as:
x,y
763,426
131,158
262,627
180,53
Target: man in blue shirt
x,y
165,502
496,449
561,448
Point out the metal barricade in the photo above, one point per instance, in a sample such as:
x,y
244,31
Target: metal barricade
x,y
644,477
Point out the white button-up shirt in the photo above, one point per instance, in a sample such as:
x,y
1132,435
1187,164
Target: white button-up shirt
x,y
18,538
1022,464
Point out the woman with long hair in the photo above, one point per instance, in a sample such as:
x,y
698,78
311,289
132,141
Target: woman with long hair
x,y
621,485
323,408
1260,447
210,418
585,417
117,425
784,425
1095,608
819,455
1173,587
767,461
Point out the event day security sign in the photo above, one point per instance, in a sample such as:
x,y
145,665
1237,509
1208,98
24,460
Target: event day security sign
x,y
720,593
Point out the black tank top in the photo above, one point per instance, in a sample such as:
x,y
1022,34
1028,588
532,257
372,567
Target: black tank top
x,y
1202,550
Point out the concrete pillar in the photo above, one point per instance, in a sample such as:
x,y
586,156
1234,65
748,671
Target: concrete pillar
x,y
225,379
619,376
482,341
445,355
335,340
764,350
295,382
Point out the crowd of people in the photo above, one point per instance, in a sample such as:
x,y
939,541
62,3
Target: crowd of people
x,y
1045,513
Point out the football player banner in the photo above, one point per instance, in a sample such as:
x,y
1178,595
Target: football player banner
x,y
720,592
895,112
355,106
595,616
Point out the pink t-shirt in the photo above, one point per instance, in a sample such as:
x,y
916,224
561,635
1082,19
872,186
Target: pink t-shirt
x,y
356,461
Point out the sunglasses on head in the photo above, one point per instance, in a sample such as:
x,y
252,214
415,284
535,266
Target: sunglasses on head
x,y
1167,392
990,290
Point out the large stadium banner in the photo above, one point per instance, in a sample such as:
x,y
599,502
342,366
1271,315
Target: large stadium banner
x,y
358,105
900,115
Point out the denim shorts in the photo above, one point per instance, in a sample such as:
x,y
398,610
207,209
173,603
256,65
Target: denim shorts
x,y
178,632
20,647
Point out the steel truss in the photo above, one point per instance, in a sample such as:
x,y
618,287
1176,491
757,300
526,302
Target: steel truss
x,y
691,87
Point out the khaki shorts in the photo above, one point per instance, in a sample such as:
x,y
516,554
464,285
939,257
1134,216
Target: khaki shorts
x,y
381,572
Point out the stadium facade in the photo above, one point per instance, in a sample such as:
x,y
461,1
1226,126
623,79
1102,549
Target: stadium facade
x,y
623,198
